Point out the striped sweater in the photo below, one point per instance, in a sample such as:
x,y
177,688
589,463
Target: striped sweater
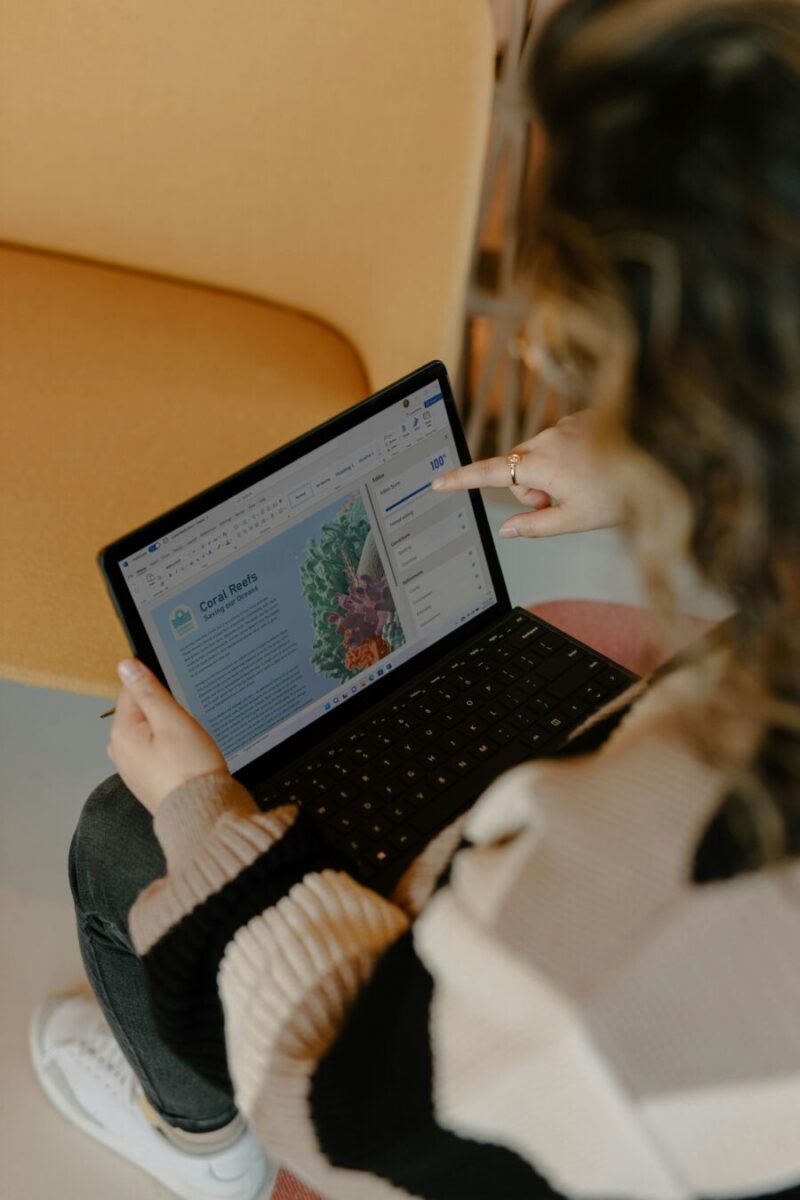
x,y
568,1012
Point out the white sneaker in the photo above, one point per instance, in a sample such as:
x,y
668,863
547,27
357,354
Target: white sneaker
x,y
83,1071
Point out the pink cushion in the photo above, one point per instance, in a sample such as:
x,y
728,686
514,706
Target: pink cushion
x,y
287,1187
620,631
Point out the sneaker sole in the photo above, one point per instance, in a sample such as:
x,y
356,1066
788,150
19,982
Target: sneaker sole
x,y
75,1116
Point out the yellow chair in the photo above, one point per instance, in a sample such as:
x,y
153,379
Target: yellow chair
x,y
220,224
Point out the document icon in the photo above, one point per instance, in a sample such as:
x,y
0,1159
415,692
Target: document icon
x,y
182,621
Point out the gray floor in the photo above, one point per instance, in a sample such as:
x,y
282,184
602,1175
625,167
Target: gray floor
x,y
52,752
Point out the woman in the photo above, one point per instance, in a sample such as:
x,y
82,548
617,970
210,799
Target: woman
x,y
600,996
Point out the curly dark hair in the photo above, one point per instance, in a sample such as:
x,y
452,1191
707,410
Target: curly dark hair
x,y
663,244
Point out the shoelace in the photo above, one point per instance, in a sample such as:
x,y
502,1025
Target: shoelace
x,y
104,1058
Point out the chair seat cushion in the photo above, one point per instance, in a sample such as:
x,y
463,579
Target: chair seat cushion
x,y
123,394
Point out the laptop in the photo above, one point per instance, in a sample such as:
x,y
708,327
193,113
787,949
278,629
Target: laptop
x,y
345,634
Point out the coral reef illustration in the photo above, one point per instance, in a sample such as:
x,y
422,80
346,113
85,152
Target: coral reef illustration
x,y
352,612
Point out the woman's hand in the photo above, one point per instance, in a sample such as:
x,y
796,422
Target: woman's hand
x,y
559,479
155,744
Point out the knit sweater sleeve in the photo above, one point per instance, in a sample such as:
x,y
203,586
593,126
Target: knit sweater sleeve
x,y
276,973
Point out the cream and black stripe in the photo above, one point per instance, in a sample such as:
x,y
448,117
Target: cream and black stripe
x,y
570,1014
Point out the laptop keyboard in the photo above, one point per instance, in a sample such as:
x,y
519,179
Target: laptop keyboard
x,y
384,787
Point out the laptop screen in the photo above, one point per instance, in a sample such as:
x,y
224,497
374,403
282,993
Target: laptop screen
x,y
291,597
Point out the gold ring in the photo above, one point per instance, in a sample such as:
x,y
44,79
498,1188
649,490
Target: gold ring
x,y
513,461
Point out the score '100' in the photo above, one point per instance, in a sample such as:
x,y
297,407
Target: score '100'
x,y
437,462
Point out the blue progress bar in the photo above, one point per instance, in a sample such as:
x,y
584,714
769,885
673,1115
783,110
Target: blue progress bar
x,y
424,488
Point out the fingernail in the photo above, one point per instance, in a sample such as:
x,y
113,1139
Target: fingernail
x,y
511,532
129,670
437,485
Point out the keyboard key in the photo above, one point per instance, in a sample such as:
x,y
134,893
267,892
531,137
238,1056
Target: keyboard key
x,y
484,749
403,839
535,739
527,636
441,810
548,642
453,740
613,680
576,677
555,723
503,732
391,789
560,661
365,779
420,796
439,780
466,680
522,718
462,763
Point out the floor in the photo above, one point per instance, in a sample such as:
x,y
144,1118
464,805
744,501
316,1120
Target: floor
x,y
52,753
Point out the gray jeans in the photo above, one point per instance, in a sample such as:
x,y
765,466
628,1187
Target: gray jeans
x,y
114,855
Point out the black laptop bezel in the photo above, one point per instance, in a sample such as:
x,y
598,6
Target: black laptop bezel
x,y
328,723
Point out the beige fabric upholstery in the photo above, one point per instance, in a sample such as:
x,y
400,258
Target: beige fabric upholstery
x,y
321,155
134,393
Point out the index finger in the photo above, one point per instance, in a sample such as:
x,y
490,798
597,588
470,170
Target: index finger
x,y
490,472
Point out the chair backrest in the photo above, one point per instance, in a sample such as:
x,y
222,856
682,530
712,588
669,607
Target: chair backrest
x,y
324,154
